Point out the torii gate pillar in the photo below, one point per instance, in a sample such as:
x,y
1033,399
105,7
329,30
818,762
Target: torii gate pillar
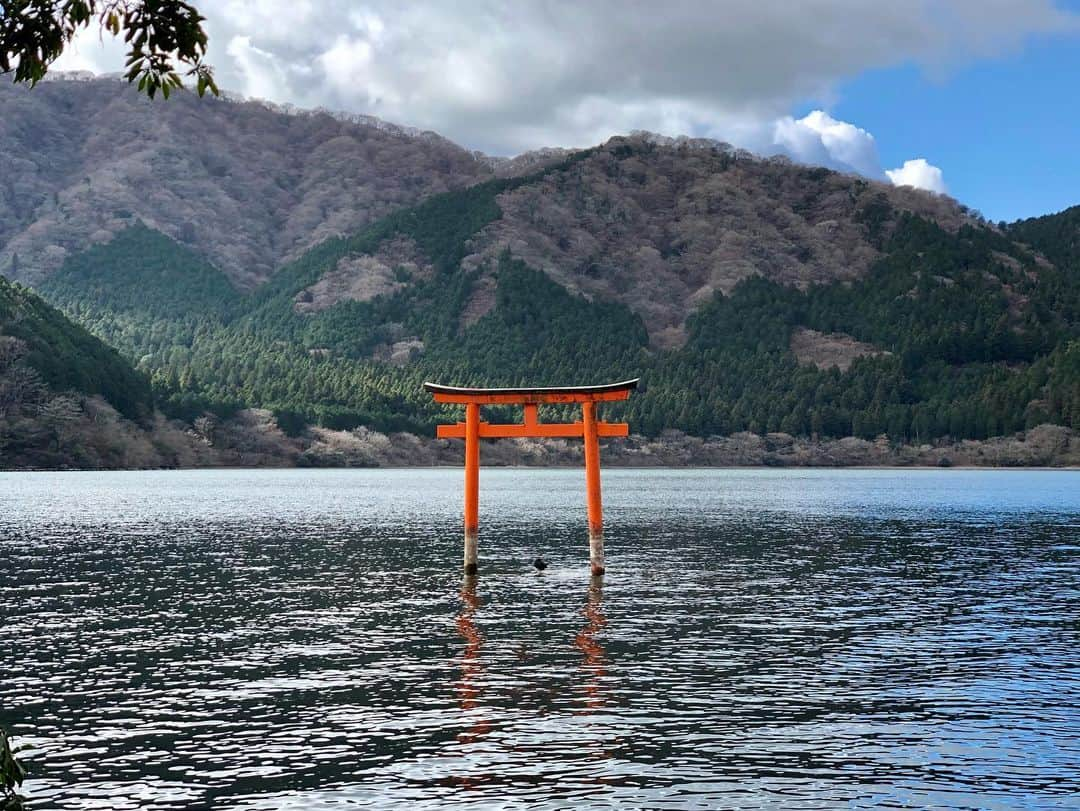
x,y
589,429
592,489
472,484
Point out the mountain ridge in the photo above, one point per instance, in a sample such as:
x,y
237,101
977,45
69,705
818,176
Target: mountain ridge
x,y
751,294
249,186
250,183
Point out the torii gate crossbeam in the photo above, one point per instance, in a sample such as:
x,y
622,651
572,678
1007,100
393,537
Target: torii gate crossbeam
x,y
589,428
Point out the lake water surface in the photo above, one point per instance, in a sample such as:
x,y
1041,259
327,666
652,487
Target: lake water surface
x,y
305,640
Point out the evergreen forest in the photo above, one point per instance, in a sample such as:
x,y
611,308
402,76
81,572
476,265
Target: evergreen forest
x,y
978,333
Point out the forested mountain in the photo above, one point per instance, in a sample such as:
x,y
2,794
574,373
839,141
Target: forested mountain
x,y
63,355
952,331
748,294
67,400
49,367
246,184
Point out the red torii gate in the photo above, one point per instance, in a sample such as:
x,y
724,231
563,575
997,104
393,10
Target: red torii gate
x,y
473,430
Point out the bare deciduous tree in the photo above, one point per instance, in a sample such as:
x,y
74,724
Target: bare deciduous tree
x,y
20,387
205,426
59,416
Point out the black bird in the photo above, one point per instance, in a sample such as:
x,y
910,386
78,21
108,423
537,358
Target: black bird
x,y
540,564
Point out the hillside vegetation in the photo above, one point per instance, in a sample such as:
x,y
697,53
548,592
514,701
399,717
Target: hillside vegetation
x,y
662,224
242,256
975,333
56,381
245,184
69,401
64,356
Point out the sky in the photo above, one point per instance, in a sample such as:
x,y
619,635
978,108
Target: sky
x,y
973,98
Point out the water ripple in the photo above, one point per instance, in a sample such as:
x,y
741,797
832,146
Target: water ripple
x,y
235,640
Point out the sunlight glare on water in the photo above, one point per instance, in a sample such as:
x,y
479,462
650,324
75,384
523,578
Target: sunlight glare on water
x,y
305,639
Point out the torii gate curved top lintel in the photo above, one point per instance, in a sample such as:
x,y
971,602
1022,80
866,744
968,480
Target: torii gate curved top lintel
x,y
589,428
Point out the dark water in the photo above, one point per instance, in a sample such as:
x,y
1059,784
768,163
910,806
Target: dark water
x,y
304,640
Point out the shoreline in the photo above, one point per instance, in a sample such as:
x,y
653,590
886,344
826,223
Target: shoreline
x,y
1071,468
253,440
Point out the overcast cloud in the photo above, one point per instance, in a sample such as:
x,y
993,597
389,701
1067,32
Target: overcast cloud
x,y
508,77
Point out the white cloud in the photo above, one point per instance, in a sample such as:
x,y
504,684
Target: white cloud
x,y
820,138
510,77
920,174
261,73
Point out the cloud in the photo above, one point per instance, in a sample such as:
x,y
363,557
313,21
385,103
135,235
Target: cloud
x,y
820,138
510,77
920,174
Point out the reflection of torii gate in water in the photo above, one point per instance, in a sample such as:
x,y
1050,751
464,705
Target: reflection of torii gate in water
x,y
472,431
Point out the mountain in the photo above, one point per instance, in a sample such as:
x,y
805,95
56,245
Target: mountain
x,y
67,400
661,224
248,184
749,294
64,356
1055,236
50,370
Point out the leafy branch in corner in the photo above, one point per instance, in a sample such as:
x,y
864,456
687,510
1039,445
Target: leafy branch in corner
x,y
162,36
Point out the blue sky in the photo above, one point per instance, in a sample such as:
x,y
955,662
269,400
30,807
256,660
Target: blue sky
x,y
974,98
1005,130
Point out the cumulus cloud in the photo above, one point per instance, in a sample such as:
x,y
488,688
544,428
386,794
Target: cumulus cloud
x,y
509,77
820,139
920,174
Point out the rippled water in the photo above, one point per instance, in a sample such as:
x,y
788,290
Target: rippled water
x,y
304,639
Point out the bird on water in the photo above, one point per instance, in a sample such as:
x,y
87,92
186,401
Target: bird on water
x,y
540,564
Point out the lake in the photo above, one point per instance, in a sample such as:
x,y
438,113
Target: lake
x,y
762,638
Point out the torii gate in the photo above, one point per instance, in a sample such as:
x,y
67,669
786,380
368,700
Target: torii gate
x,y
473,430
